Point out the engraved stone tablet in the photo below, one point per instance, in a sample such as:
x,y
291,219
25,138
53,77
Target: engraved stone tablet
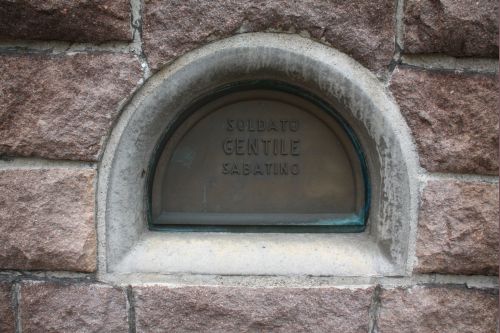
x,y
259,157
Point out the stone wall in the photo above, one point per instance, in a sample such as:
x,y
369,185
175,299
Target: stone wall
x,y
68,68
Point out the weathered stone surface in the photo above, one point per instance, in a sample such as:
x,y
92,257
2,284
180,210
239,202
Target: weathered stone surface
x,y
224,309
458,28
62,107
439,309
47,219
81,307
362,29
7,321
458,228
453,117
77,20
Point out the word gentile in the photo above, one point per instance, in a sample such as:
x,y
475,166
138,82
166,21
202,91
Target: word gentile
x,y
253,144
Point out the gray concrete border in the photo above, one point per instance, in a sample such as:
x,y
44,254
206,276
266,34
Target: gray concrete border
x,y
127,247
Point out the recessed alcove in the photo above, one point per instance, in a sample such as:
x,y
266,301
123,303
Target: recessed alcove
x,y
153,144
259,156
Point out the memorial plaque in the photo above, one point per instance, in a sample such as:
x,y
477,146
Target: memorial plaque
x,y
259,157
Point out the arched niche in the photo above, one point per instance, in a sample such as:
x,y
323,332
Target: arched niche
x,y
129,245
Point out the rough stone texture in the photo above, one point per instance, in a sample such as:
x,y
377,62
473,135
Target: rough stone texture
x,y
444,310
62,107
453,117
458,228
57,308
363,29
47,220
221,309
76,20
458,28
7,321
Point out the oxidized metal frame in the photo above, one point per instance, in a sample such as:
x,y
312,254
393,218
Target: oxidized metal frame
x,y
356,224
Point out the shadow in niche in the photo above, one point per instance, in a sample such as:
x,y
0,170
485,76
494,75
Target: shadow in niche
x,y
259,156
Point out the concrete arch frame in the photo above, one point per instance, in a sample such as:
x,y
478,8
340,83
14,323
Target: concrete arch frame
x,y
126,246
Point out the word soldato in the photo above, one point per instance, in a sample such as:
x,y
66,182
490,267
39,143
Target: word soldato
x,y
261,125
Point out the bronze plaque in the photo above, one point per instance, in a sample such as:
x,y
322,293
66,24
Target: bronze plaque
x,y
259,157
